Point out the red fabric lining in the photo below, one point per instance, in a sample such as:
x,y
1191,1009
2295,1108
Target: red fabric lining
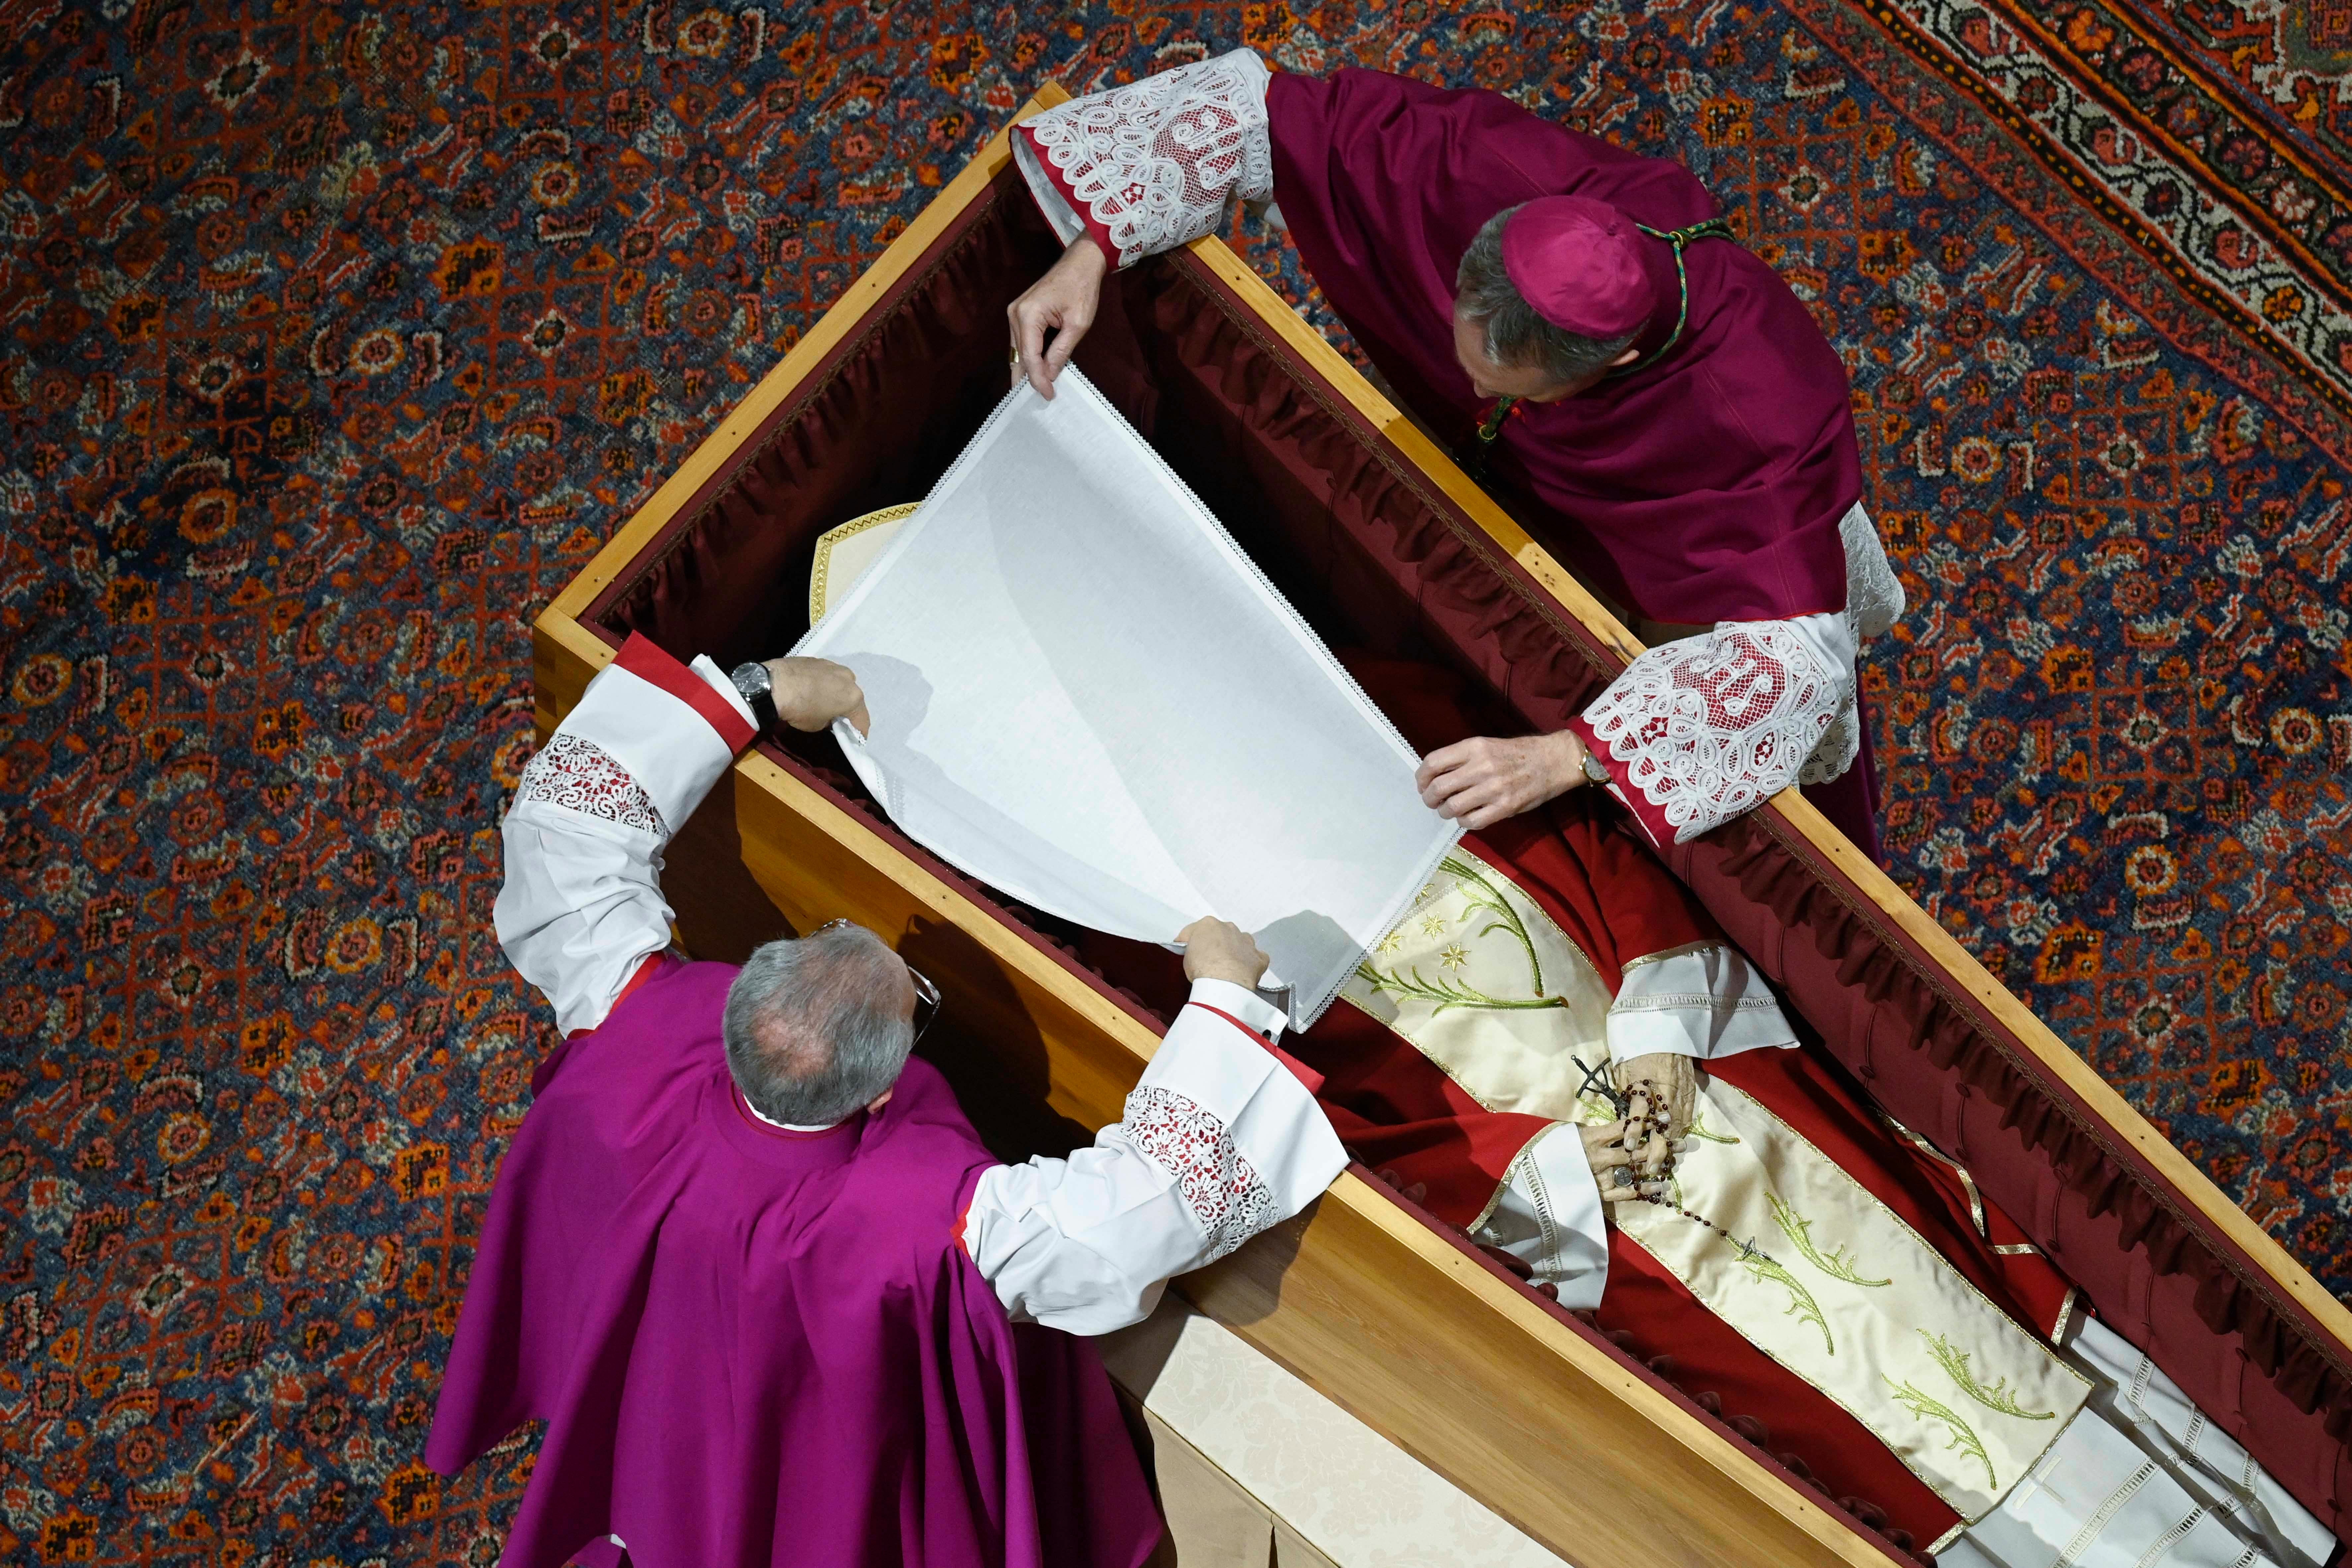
x,y
646,660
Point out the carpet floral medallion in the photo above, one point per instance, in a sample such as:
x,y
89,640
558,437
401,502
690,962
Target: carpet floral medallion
x,y
333,338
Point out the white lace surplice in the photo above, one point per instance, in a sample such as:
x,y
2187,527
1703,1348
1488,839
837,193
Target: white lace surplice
x,y
1154,165
1696,731
1084,694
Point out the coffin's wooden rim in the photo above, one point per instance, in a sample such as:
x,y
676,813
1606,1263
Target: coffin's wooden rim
x,y
561,620
1789,816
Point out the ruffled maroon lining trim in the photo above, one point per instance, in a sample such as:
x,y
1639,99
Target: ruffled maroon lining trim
x,y
1976,1057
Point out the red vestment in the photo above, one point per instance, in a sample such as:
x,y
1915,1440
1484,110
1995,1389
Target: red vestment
x,y
1401,1115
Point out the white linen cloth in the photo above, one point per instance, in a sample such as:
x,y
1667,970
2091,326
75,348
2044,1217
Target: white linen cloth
x,y
1217,1142
1085,694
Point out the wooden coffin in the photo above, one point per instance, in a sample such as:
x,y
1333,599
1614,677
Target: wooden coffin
x,y
1384,544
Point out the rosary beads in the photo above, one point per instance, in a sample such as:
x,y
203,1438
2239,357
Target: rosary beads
x,y
1654,1123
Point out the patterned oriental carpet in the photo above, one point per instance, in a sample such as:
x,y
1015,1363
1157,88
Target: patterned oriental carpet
x,y
336,337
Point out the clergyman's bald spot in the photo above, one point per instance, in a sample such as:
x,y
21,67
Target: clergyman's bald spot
x,y
819,1025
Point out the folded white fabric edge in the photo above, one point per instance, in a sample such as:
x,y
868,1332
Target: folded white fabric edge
x,y
1305,1004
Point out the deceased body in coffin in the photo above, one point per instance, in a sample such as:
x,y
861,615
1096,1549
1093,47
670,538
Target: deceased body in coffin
x,y
1085,695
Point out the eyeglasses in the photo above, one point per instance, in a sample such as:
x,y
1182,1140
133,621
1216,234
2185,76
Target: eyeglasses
x,y
927,995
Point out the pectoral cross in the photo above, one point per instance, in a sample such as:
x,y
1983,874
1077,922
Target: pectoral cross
x,y
1621,1098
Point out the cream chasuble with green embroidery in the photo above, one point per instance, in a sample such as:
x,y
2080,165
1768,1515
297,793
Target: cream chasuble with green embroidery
x,y
1474,948
1830,1282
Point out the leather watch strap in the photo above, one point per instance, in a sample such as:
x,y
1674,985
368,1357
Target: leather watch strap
x,y
752,683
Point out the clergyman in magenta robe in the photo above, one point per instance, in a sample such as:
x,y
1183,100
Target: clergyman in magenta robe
x,y
848,1336
1707,485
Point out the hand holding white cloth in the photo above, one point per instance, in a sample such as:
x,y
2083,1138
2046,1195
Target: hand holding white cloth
x,y
1086,695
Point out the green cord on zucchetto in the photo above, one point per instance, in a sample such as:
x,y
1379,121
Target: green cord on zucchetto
x,y
1712,228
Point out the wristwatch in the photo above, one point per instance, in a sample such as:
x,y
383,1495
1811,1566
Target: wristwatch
x,y
752,681
1594,774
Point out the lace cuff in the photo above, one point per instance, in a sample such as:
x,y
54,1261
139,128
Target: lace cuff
x,y
1874,599
1149,166
575,773
1219,1185
1212,1062
1698,731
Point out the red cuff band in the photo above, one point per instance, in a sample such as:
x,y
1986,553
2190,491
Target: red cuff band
x,y
1094,231
1652,821
649,662
1299,1069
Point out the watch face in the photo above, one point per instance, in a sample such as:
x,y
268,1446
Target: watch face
x,y
750,680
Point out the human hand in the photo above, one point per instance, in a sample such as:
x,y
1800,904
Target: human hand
x,y
1219,950
1666,1079
1623,1174
1485,780
1066,300
811,693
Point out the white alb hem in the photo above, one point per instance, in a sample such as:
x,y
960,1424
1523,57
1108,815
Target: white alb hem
x,y
2121,1488
1548,1214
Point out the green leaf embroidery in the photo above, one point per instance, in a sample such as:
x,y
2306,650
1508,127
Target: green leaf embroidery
x,y
1958,1433
1441,991
1802,1305
1835,1263
1698,1129
1955,1361
1490,898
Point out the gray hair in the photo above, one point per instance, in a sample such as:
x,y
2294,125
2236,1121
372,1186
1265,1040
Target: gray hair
x,y
1514,335
814,1028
